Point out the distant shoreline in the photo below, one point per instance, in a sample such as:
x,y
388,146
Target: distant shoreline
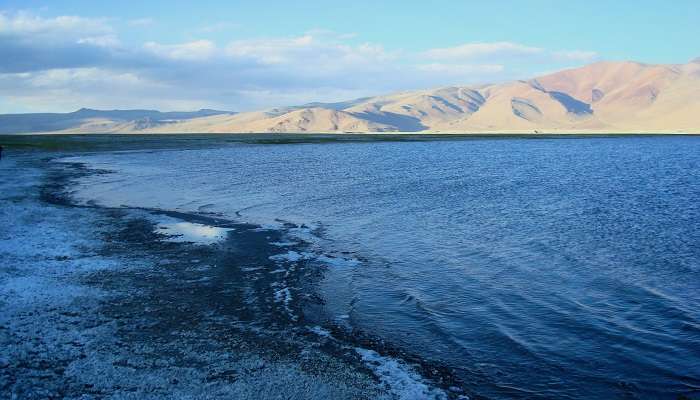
x,y
87,142
514,133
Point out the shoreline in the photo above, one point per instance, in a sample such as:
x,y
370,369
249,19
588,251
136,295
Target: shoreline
x,y
508,133
126,142
198,292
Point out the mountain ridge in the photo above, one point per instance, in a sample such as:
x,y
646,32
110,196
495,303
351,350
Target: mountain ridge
x,y
108,121
603,97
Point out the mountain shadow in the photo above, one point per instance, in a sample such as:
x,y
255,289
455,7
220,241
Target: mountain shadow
x,y
572,105
403,123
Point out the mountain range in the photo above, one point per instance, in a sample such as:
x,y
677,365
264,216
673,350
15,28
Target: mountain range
x,y
605,97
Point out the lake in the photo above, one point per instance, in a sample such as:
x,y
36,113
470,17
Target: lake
x,y
548,268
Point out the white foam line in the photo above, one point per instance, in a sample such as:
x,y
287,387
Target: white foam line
x,y
283,244
338,261
399,379
291,256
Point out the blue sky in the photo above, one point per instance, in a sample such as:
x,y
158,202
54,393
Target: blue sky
x,y
242,55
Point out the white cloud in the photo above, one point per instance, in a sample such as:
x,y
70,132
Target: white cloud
x,y
197,50
86,87
307,62
100,41
85,77
82,62
305,50
576,55
470,51
271,51
23,23
504,51
30,43
456,69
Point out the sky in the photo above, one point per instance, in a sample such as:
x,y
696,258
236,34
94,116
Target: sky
x,y
58,56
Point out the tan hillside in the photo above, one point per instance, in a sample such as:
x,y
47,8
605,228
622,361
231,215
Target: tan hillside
x,y
297,120
604,97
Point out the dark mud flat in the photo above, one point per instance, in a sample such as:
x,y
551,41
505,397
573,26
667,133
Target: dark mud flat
x,y
184,320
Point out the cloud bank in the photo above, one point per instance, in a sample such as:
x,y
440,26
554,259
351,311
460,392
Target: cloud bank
x,y
66,62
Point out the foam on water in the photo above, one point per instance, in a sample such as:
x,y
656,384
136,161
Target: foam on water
x,y
400,379
340,262
291,256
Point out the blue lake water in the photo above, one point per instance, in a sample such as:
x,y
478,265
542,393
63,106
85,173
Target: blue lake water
x,y
548,268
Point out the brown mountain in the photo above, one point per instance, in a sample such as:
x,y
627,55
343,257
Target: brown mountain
x,y
604,97
601,97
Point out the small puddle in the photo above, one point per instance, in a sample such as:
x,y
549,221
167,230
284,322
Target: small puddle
x,y
192,232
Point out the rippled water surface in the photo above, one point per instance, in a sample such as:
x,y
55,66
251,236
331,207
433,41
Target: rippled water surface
x,y
550,268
